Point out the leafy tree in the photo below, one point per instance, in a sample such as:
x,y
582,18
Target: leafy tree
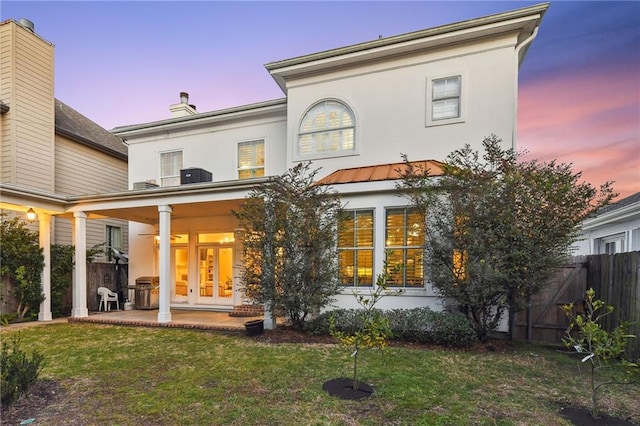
x,y
598,347
61,268
21,260
290,244
497,226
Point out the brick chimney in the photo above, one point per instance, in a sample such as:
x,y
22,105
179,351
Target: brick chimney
x,y
183,109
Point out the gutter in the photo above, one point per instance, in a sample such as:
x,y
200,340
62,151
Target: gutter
x,y
521,46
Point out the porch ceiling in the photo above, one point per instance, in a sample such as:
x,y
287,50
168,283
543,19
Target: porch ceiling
x,y
149,214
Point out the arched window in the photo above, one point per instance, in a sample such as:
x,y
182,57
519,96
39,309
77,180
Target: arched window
x,y
327,128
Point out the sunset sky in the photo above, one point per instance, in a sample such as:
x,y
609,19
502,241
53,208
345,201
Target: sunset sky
x,y
122,62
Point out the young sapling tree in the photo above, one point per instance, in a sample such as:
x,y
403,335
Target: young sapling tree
x,y
598,347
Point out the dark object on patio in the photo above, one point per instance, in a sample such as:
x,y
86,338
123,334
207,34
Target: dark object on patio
x,y
343,389
254,327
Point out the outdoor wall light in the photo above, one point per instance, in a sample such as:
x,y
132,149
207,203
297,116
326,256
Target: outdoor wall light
x,y
31,215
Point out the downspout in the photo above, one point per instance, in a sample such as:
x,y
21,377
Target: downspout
x,y
525,43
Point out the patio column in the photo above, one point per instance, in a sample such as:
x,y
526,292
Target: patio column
x,y
44,232
269,320
80,268
164,312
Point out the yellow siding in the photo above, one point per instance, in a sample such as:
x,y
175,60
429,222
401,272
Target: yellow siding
x,y
80,170
96,231
6,129
26,67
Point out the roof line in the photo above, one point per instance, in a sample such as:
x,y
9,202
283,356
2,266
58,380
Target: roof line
x,y
429,32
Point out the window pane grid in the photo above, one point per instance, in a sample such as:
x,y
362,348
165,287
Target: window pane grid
x,y
405,236
251,159
355,249
170,166
446,98
327,127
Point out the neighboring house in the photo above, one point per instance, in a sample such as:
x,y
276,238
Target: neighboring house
x,y
615,229
352,111
51,152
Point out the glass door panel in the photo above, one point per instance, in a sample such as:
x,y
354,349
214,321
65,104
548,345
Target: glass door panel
x,y
206,272
225,274
215,271
180,282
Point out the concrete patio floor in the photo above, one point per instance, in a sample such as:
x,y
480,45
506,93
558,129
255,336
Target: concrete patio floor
x,y
205,320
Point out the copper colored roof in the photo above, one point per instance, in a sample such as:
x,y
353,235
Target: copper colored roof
x,y
379,173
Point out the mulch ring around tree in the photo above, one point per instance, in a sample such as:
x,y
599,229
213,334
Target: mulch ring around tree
x,y
582,417
343,389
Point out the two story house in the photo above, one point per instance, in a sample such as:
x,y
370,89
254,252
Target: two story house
x,y
49,151
352,112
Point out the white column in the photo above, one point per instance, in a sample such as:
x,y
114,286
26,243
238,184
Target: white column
x,y
80,268
164,312
269,320
44,232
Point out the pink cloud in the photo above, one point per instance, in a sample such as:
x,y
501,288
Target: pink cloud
x,y
591,120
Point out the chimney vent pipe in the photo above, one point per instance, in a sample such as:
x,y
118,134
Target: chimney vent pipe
x,y
184,98
27,24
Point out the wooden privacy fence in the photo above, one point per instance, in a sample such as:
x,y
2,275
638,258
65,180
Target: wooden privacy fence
x,y
615,280
98,275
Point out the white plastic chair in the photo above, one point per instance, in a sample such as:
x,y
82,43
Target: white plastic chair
x,y
107,296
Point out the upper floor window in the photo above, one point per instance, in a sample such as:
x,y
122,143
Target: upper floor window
x,y
251,159
444,100
327,129
170,166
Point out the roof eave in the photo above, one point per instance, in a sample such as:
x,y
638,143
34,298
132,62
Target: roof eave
x,y
243,111
524,19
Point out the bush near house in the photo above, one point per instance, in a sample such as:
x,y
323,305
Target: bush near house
x,y
497,226
290,244
421,325
21,262
18,370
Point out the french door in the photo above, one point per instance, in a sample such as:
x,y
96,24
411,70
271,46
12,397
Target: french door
x,y
215,274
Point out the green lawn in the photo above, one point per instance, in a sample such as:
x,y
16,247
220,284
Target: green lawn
x,y
157,376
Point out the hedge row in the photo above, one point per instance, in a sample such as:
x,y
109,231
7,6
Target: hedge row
x,y
413,325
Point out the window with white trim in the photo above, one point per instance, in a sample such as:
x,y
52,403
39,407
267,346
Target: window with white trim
x,y
355,248
610,244
444,100
113,237
327,129
404,246
251,159
170,166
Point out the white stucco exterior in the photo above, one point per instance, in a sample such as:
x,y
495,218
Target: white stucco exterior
x,y
388,85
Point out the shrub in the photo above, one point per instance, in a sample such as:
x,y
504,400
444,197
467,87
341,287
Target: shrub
x,y
420,325
346,321
18,370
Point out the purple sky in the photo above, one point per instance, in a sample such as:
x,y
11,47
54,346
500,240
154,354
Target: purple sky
x,y
122,62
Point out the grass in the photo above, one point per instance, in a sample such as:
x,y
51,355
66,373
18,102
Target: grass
x,y
154,376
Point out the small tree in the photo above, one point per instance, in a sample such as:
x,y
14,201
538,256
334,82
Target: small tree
x,y
497,226
21,260
597,346
374,328
290,244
